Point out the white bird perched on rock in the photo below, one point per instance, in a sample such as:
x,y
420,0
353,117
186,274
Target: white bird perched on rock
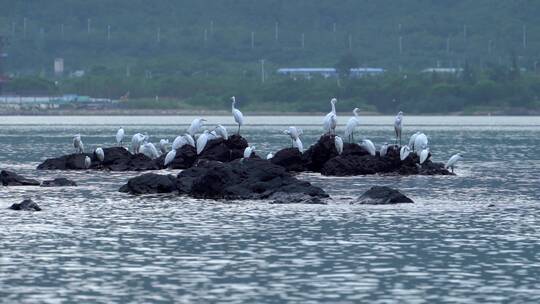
x,y
136,142
269,155
78,144
368,146
248,151
424,155
412,139
452,161
238,116
352,124
298,144
87,162
221,131
189,140
149,150
420,143
330,120
383,150
120,136
178,142
163,145
404,152
169,158
100,154
294,133
338,142
201,141
196,126
398,126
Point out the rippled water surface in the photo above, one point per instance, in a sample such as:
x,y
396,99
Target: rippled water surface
x,y
474,237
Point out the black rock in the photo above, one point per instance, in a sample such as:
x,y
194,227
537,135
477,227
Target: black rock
x,y
150,183
59,182
9,178
185,158
66,162
382,195
318,154
224,150
290,159
26,205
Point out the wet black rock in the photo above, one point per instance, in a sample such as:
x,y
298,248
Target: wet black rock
x,y
26,205
59,182
382,195
185,158
150,183
9,178
225,150
318,154
290,159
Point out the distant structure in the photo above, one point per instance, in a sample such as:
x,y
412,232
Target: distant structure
x,y
443,70
3,78
58,67
308,73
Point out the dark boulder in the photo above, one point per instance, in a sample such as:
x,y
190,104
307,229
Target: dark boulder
x,y
59,182
382,195
224,150
150,183
9,178
290,159
26,205
185,158
318,154
66,162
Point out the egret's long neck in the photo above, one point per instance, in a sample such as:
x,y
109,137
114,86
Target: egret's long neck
x,y
232,105
355,113
333,107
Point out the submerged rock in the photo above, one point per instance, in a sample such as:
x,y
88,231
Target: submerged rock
x,y
251,178
382,195
26,205
9,178
59,182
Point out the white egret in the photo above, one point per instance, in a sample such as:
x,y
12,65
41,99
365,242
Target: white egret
x,y
412,139
169,158
352,124
221,131
398,126
368,146
136,142
238,116
149,150
404,152
201,141
330,120
196,126
120,136
424,155
87,162
383,150
189,140
452,161
298,144
100,154
78,144
338,142
420,143
294,133
248,151
269,155
163,145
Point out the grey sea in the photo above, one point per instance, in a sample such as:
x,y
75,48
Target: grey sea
x,y
470,238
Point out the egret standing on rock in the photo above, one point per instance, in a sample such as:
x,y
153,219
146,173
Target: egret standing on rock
x,y
424,155
352,124
222,132
190,140
368,146
163,145
330,120
384,150
100,154
420,143
412,139
196,126
338,142
404,152
120,136
169,158
201,141
294,133
269,156
178,142
136,142
398,126
87,162
238,116
78,144
452,161
149,150
248,151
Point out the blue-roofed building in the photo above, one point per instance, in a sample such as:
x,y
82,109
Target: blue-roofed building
x,y
327,72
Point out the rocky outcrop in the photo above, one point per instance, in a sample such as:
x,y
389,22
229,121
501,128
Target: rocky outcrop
x,y
251,178
382,195
185,158
59,182
290,159
26,205
8,178
224,150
